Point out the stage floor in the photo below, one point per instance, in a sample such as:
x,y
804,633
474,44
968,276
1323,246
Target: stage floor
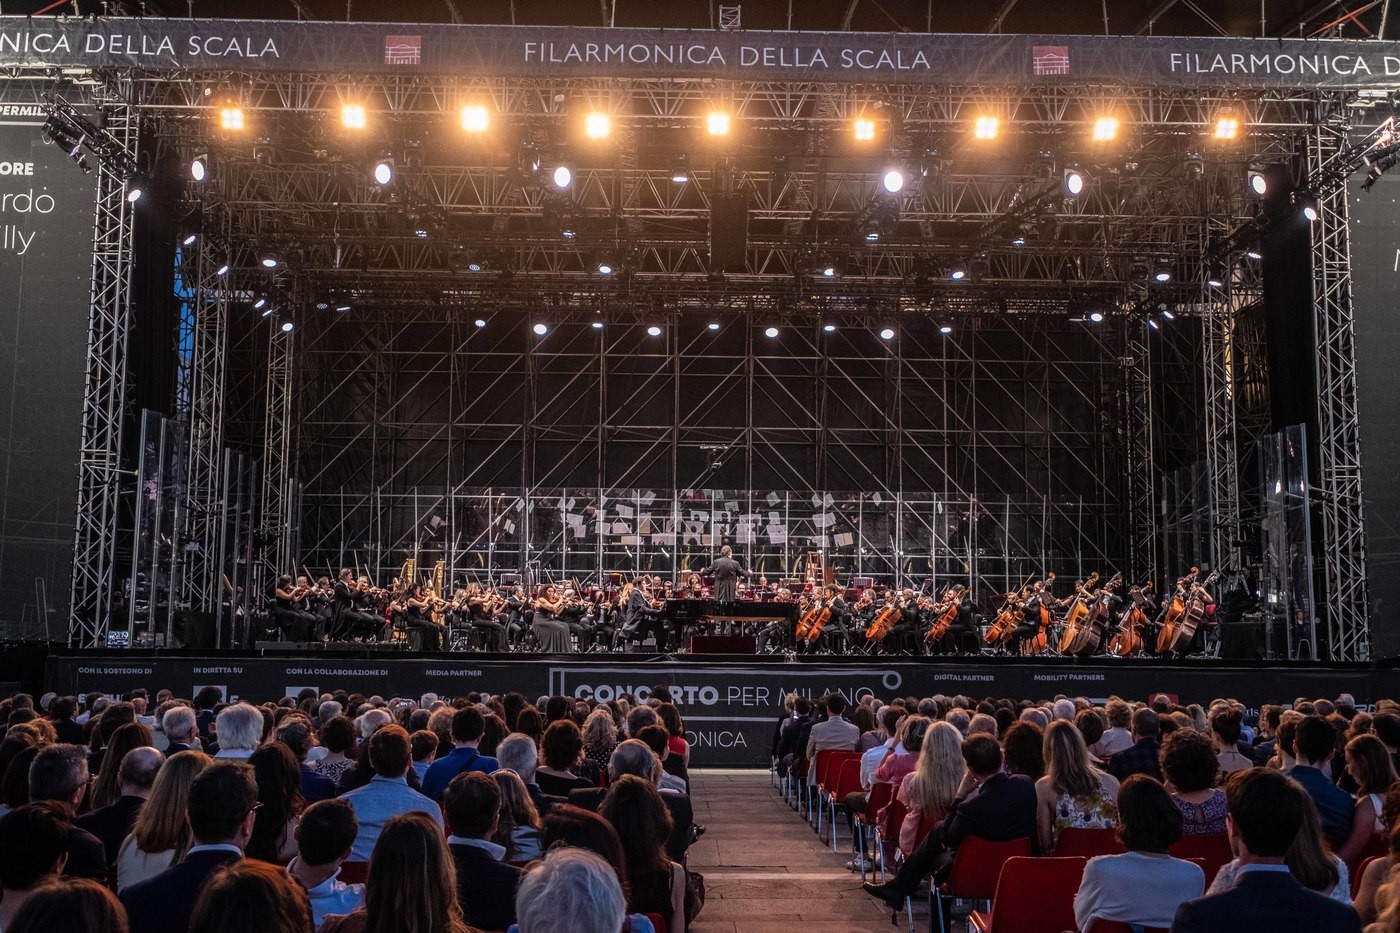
x,y
731,703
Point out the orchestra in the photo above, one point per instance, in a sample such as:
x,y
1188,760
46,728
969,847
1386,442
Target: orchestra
x,y
792,616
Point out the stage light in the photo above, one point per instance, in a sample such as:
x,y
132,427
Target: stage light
x,y
421,232
480,322
597,325
828,272
1096,316
893,181
829,328
1307,204
568,233
1152,323
872,231
864,129
1162,271
605,267
887,333
1105,129
1075,180
717,123
1018,240
287,327
958,272
222,270
267,311
1215,276
341,308
597,125
135,188
260,304
770,331
231,118
262,151
653,331
383,172
1253,253
269,260
563,177
1258,183
945,328
986,127
540,329
1168,314
1227,126
190,239
680,169
199,167
352,117
475,119
713,325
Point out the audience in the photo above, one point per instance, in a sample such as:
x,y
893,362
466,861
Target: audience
x,y
1142,756
33,848
1074,793
251,897
518,828
1190,764
338,739
423,744
59,775
570,891
562,749
324,837
1024,750
136,775
1369,765
656,884
181,731
106,787
1315,742
519,753
468,725
599,736
835,733
279,804
160,834
485,883
70,905
295,733
658,740
387,794
239,730
929,791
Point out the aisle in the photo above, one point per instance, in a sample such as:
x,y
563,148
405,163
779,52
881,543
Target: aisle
x,y
765,869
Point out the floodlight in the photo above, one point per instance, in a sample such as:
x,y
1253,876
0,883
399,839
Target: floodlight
x,y
1258,182
135,188
1074,182
717,123
540,329
1162,271
190,239
986,127
480,322
383,172
199,167
958,272
864,129
653,331
713,325
1096,316
1227,126
597,125
475,119
1105,129
231,118
597,325
269,260
945,328
770,331
287,327
563,176
893,181
829,328
887,333
352,117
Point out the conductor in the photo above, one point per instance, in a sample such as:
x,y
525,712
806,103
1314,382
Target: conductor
x,y
726,572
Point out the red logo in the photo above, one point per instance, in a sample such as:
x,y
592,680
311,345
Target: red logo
x,y
403,50
1050,60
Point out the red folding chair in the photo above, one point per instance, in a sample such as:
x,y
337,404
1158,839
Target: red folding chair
x,y
875,801
658,921
845,781
1087,843
1033,895
823,762
1378,844
1360,871
1213,851
828,771
975,872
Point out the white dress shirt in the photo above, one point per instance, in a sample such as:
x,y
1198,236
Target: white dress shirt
x,y
1136,887
331,896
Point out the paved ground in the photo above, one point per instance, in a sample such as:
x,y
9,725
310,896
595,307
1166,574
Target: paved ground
x,y
765,869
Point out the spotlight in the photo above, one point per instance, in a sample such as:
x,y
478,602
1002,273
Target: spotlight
x,y
1105,129
568,232
352,117
871,231
1162,271
199,167
1152,323
1227,126
1307,204
287,327
893,181
341,308
1253,253
540,329
1215,276
887,333
1074,182
190,239
263,152
1096,316
605,267
770,331
597,125
1139,270
231,118
475,119
563,177
260,304
222,270
717,123
1193,165
986,127
1167,314
421,232
597,325
383,172
829,328
958,272
135,188
653,331
480,322
680,169
864,129
828,272
1258,183
945,328
268,310
1018,240
269,260
713,325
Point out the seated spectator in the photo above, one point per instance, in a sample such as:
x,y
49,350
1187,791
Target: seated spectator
x,y
574,826
1266,813
989,804
136,775
239,729
251,897
114,716
599,736
181,731
658,739
59,775
160,835
338,739
33,848
279,804
72,905
670,716
1368,763
518,827
928,792
656,884
387,794
910,738
636,758
412,882
1314,744
220,811
324,837
63,710
424,745
518,753
1144,885
1118,735
468,725
295,733
1074,794
1377,894
835,733
1225,735
1142,757
1190,764
1307,859
1024,750
562,749
485,883
106,787
570,891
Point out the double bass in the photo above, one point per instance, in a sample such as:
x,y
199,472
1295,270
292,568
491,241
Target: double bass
x,y
1077,614
1167,636
1195,612
1096,622
1128,640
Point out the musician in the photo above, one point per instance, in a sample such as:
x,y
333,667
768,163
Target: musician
x,y
552,633
642,616
1029,625
602,615
837,631
962,625
1112,611
483,613
296,623
418,617
342,604
574,614
368,615
519,614
726,573
894,599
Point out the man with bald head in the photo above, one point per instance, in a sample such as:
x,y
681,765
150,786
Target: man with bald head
x,y
726,572
112,823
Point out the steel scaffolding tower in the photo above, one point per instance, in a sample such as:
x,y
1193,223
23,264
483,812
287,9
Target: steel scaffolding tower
x,y
1135,431
278,505
100,475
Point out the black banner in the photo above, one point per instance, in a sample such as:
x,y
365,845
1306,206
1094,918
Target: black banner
x,y
913,58
730,707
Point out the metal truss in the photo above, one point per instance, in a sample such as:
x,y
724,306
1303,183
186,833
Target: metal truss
x,y
1221,451
1136,436
100,476
277,510
1339,482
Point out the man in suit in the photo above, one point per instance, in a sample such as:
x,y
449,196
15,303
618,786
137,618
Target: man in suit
x,y
1314,744
635,757
989,804
181,730
324,837
59,775
726,571
518,753
485,884
1142,757
220,812
1264,810
112,823
836,733
69,732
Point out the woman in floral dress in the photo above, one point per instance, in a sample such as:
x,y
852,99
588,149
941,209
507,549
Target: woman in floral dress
x,y
1074,793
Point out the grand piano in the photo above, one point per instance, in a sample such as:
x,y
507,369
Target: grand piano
x,y
705,611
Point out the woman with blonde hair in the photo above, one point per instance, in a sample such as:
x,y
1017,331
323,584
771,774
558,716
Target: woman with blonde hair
x,y
933,785
1369,764
599,736
1074,793
519,826
161,836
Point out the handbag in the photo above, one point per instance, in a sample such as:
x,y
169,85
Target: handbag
x,y
694,895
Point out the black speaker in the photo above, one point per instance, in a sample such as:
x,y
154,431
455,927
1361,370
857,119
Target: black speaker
x,y
729,232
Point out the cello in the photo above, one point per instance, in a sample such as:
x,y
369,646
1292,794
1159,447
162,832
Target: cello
x,y
884,620
1077,614
1195,612
947,611
1092,628
1175,611
1128,640
823,616
809,615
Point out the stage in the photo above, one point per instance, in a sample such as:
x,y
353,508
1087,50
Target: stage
x,y
730,702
